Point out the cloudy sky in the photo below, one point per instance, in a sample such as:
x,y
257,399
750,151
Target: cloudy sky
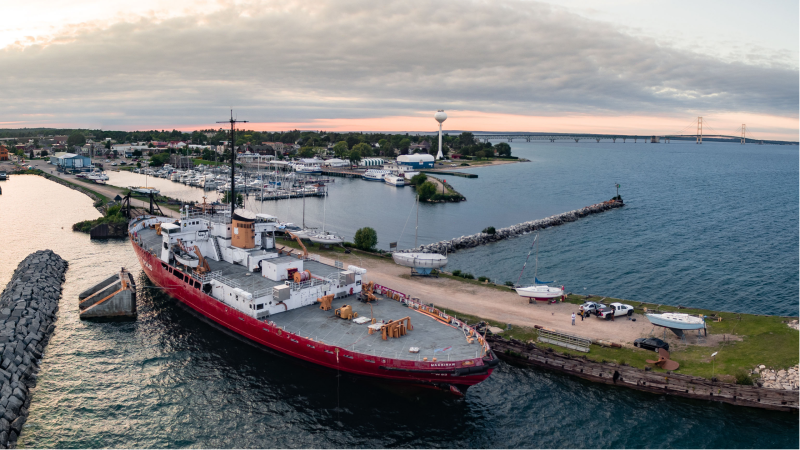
x,y
629,66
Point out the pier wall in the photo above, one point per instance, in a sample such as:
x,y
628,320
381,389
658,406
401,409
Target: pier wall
x,y
515,230
664,383
28,308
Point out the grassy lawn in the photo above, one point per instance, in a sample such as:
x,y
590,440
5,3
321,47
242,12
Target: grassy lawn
x,y
765,340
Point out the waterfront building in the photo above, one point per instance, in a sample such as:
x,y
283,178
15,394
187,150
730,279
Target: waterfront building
x,y
71,161
370,162
416,161
3,153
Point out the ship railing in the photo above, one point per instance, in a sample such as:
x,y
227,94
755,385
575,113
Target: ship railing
x,y
206,277
216,218
308,283
221,278
263,292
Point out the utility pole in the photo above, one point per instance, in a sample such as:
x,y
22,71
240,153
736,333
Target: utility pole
x,y
233,123
699,130
744,127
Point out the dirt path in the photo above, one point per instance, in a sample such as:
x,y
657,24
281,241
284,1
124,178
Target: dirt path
x,y
490,303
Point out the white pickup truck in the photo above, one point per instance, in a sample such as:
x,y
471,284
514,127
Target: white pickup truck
x,y
615,310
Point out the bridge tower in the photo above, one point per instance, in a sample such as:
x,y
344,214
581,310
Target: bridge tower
x,y
699,130
744,139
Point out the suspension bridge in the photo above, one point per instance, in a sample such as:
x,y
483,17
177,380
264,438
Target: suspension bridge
x,y
702,128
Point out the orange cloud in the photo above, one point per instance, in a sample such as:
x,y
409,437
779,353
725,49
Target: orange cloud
x,y
758,126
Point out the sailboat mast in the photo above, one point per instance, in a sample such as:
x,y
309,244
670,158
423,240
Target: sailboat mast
x,y
536,268
416,228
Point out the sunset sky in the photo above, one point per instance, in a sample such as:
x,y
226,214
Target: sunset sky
x,y
601,66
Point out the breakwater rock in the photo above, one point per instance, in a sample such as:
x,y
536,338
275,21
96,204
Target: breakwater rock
x,y
28,308
515,230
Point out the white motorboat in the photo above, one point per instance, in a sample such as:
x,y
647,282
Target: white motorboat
x,y
307,169
375,174
326,238
539,290
677,320
145,190
394,180
421,262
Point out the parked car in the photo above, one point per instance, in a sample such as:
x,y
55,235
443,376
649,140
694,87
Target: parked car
x,y
651,344
591,308
615,310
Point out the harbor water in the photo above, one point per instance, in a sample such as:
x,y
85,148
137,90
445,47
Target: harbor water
x,y
697,218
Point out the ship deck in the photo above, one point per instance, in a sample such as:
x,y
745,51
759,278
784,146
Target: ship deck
x,y
310,321
428,334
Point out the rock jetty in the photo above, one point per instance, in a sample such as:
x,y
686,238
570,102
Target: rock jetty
x,y
778,379
515,230
28,308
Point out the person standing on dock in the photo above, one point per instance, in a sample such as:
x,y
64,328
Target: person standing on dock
x,y
573,318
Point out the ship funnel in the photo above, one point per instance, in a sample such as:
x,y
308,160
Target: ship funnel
x,y
243,232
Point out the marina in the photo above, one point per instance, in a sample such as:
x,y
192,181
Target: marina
x,y
511,388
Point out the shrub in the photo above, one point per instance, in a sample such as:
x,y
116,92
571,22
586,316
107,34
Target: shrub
x,y
426,190
509,283
482,279
467,276
743,378
418,179
489,230
456,273
366,239
464,164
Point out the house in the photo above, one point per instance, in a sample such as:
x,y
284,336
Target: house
x,y
3,153
421,147
60,140
416,161
176,144
71,161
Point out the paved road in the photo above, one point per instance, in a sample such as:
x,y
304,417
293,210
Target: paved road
x,y
108,191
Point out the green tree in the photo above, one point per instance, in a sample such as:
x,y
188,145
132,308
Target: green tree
x,y
426,190
227,198
403,146
466,139
340,149
363,149
76,139
352,140
108,145
366,238
43,153
307,152
386,147
159,159
503,149
354,157
137,153
418,179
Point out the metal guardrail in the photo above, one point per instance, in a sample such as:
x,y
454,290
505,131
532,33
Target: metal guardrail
x,y
565,340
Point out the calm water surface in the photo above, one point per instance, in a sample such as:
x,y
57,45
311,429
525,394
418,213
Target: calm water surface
x,y
170,380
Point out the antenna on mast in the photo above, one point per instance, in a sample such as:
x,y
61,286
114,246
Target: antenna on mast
x,y
233,123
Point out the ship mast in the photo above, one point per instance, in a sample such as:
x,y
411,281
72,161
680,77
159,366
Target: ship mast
x,y
233,123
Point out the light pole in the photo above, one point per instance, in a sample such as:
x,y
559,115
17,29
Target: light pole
x,y
713,360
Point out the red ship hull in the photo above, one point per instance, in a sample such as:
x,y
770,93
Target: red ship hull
x,y
444,374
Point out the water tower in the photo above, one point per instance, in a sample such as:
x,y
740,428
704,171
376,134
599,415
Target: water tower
x,y
440,117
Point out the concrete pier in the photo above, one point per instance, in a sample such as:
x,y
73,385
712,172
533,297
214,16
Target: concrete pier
x,y
113,297
28,308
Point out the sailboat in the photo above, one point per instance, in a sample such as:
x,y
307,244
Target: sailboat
x,y
325,237
539,290
422,263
